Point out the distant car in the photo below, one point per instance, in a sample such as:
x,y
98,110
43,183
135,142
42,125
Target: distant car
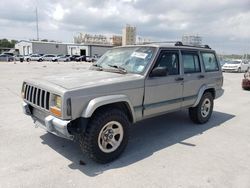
x,y
91,59
25,57
9,53
48,57
65,58
34,57
6,57
246,81
57,57
73,57
222,63
236,66
19,58
81,58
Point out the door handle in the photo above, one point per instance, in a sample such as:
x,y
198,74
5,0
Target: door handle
x,y
201,76
179,79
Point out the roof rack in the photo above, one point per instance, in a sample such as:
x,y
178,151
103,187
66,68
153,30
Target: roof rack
x,y
158,42
199,46
178,43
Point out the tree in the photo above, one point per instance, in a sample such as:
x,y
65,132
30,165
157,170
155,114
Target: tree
x,y
5,43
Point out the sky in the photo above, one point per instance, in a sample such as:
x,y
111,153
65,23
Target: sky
x,y
223,24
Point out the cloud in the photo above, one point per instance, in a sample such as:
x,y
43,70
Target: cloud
x,y
59,12
223,24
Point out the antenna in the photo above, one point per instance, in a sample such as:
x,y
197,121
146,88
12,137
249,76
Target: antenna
x,y
37,29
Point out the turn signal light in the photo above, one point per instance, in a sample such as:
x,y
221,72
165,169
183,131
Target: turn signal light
x,y
55,111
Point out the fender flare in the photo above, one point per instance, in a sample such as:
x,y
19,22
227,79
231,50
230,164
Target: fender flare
x,y
104,100
200,93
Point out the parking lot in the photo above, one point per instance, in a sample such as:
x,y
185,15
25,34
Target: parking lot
x,y
167,151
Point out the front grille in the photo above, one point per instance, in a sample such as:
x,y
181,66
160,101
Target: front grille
x,y
37,96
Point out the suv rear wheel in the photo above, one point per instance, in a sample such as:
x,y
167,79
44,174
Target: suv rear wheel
x,y
106,136
202,112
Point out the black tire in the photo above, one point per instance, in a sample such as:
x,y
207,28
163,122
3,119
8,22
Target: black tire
x,y
89,141
239,69
196,114
28,60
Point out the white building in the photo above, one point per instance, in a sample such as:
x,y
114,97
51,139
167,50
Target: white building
x,y
128,35
38,47
194,40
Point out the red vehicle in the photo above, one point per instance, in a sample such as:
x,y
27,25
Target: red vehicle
x,y
246,81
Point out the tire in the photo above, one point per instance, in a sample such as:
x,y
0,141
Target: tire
x,y
28,60
200,115
239,69
93,141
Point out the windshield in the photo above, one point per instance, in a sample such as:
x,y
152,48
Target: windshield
x,y
130,59
234,62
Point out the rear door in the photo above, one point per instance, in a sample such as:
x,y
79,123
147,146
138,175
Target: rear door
x,y
163,94
213,74
193,74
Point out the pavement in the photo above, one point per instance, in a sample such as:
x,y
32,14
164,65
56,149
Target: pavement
x,y
167,151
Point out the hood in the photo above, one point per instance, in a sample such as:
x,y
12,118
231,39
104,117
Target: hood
x,y
87,78
231,65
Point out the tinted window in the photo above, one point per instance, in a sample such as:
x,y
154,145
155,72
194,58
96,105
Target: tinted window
x,y
191,62
170,60
210,62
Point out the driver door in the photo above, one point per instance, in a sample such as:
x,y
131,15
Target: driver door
x,y
164,93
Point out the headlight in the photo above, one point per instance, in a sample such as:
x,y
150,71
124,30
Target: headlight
x,y
23,87
55,108
58,101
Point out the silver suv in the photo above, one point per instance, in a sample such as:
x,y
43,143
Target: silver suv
x,y
126,85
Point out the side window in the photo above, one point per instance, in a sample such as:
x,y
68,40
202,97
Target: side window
x,y
191,62
210,62
170,60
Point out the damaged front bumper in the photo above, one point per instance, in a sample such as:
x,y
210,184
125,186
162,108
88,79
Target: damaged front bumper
x,y
48,122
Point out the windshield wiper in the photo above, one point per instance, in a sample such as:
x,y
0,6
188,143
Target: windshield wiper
x,y
98,67
121,69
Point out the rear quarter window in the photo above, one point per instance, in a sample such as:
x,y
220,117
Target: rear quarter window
x,y
210,61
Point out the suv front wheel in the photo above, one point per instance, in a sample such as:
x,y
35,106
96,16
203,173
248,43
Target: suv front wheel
x,y
106,136
202,112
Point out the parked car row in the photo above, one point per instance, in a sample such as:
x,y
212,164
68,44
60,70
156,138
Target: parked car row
x,y
47,57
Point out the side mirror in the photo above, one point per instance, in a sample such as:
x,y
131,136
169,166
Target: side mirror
x,y
159,72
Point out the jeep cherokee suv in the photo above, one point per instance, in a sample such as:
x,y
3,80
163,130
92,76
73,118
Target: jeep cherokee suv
x,y
126,85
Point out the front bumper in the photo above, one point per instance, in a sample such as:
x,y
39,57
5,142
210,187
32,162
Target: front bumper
x,y
229,69
48,122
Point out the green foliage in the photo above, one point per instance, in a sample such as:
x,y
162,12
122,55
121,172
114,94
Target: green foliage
x,y
5,43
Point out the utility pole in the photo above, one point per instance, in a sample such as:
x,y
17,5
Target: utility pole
x,y
37,29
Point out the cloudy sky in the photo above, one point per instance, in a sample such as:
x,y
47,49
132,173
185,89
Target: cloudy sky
x,y
223,24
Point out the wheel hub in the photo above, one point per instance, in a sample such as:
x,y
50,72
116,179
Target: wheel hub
x,y
205,107
110,136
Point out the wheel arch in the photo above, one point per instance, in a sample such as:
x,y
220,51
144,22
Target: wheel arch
x,y
202,90
119,101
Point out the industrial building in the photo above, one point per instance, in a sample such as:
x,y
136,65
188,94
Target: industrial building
x,y
115,40
39,47
194,40
129,35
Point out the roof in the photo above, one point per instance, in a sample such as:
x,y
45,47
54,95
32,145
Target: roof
x,y
63,43
173,44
